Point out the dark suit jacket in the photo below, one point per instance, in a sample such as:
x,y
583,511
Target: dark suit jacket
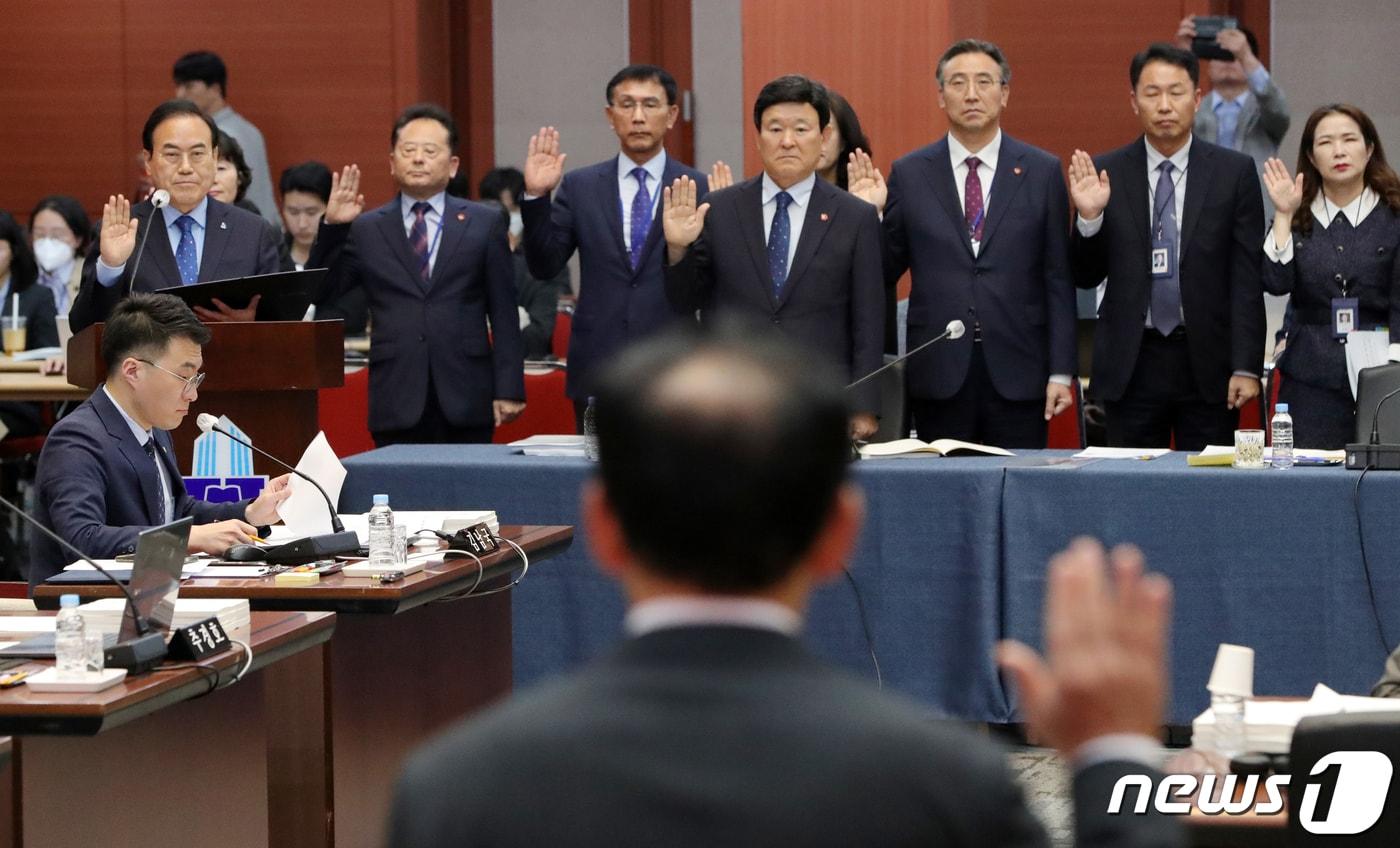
x,y
707,736
540,300
237,243
1018,287
352,307
616,304
833,300
1222,230
435,330
97,488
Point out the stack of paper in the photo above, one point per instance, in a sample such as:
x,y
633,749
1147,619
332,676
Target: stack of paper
x,y
105,614
1269,724
1225,455
192,566
550,445
447,521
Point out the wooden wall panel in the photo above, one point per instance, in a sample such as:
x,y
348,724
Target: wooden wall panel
x,y
322,79
659,33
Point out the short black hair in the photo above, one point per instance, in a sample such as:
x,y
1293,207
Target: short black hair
x,y
24,269
144,324
974,45
498,180
1169,53
644,73
722,450
310,177
71,210
231,150
793,88
173,109
432,112
202,66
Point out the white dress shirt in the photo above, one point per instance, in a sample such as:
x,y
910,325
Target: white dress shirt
x,y
167,499
433,220
107,276
698,611
986,170
627,190
797,210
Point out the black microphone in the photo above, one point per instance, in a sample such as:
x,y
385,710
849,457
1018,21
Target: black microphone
x,y
136,655
1376,418
1373,454
159,199
338,542
954,330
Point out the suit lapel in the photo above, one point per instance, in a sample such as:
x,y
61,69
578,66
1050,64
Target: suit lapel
x,y
454,226
216,234
134,454
1200,167
1007,181
1135,188
939,170
158,250
750,203
612,209
391,228
821,208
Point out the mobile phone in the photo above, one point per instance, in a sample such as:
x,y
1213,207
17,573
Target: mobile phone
x,y
1207,28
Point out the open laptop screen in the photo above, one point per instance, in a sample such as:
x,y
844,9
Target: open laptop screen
x,y
155,576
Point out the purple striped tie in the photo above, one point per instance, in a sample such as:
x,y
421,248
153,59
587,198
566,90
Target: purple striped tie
x,y
418,237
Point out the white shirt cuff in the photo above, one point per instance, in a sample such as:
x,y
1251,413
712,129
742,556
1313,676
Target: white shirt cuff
x,y
528,196
1118,747
1061,379
1281,255
1088,229
1395,353
107,276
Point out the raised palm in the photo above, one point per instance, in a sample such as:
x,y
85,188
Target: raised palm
x,y
1088,187
544,164
118,231
681,219
1286,192
345,203
865,181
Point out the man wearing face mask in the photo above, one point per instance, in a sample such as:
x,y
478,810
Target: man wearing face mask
x,y
198,239
537,300
60,230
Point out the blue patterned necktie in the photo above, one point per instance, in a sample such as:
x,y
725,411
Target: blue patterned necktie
x,y
418,237
778,237
1166,291
186,257
641,216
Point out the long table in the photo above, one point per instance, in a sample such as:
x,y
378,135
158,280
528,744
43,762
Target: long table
x,y
953,558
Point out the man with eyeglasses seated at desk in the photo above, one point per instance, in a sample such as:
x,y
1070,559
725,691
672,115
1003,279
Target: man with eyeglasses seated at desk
x,y
108,471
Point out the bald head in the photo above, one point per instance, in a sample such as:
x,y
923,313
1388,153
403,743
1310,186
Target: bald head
x,y
721,454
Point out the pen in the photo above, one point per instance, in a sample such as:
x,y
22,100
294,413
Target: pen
x,y
258,539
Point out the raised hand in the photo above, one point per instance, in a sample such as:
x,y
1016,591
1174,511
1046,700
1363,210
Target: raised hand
x,y
1088,187
865,181
721,176
681,219
345,203
118,231
1286,192
1186,31
544,164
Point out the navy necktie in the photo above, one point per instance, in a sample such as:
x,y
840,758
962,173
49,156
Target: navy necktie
x,y
186,256
418,237
778,237
1166,290
641,216
165,499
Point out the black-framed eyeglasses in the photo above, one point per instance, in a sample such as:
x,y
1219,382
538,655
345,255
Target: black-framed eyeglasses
x,y
191,383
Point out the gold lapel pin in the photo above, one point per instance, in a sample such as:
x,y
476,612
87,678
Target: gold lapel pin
x,y
461,216
1016,170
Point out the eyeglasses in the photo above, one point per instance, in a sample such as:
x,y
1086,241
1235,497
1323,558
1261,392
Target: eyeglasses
x,y
191,384
983,83
650,105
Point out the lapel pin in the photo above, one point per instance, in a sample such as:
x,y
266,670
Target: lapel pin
x,y
826,217
223,225
1016,170
461,216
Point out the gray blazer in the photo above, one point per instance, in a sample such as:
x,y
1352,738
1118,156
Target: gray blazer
x,y
706,736
1264,122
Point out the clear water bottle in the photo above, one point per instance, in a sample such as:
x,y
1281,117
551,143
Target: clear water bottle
x,y
1282,427
381,534
590,431
1228,712
68,635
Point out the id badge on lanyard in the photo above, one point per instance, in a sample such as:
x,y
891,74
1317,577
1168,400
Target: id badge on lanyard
x,y
1343,316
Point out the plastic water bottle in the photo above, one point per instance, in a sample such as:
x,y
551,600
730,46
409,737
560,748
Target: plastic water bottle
x,y
590,431
1228,712
381,534
68,636
1282,427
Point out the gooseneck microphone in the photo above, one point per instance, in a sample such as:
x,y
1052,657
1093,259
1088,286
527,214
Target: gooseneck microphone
x,y
1376,418
1372,455
160,198
953,331
209,423
135,655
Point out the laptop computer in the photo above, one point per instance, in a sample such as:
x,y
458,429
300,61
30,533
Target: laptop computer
x,y
155,584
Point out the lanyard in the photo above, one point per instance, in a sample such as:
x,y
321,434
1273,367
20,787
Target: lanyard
x,y
1152,193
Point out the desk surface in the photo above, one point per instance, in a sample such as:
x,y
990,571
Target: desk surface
x,y
31,385
274,635
338,593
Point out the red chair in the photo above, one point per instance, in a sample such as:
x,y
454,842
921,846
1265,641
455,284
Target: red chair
x,y
1067,430
547,409
344,415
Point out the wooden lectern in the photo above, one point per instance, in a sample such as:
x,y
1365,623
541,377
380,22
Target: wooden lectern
x,y
263,375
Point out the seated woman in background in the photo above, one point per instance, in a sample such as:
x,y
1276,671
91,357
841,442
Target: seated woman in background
x,y
232,175
1335,234
305,189
60,233
34,304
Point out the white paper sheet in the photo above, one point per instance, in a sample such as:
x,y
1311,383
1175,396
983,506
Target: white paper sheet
x,y
305,513
1123,453
1366,349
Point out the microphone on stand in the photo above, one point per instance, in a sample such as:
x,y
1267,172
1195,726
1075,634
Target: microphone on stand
x,y
136,655
339,541
160,198
1373,454
953,331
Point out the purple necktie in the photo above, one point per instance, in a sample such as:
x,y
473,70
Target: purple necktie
x,y
641,216
972,200
418,237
